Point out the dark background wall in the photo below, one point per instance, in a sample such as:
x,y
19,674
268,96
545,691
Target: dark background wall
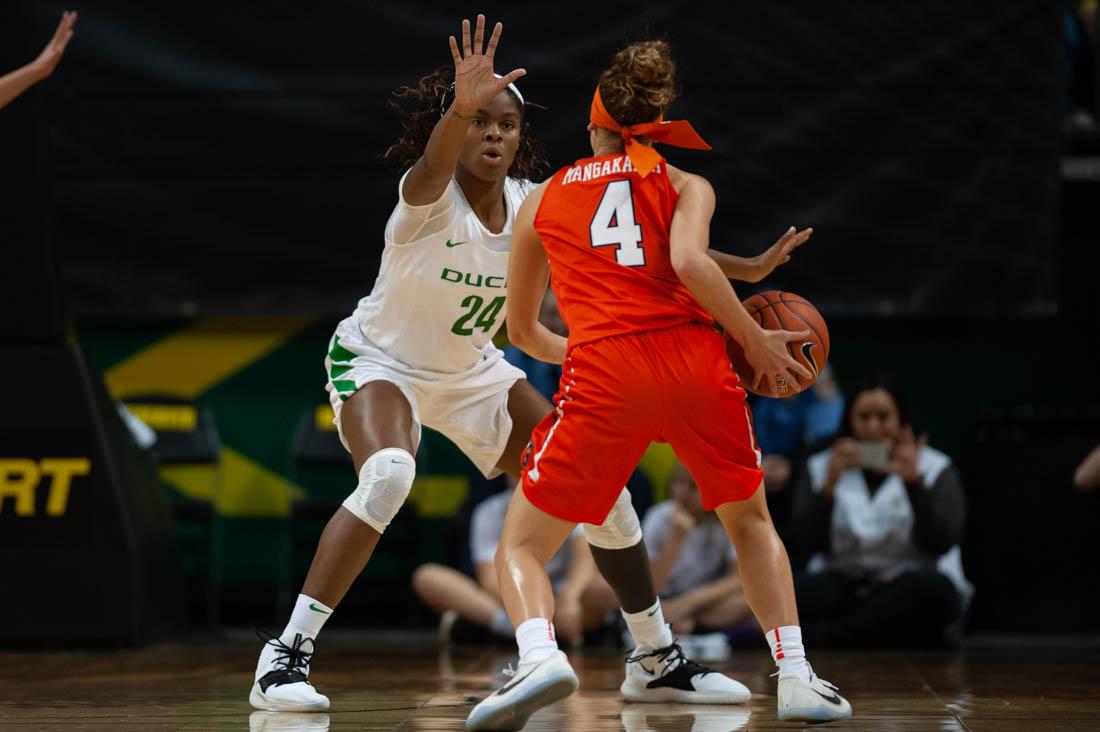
x,y
225,158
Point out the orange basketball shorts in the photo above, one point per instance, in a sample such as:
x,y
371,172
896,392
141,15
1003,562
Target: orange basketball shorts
x,y
619,394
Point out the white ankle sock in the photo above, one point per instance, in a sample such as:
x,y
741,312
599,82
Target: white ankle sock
x,y
536,640
308,618
501,625
788,653
649,628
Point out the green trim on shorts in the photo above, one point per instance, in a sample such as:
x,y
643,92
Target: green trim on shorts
x,y
341,364
339,353
344,385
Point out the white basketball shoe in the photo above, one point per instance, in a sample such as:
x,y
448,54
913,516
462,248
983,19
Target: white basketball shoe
x,y
282,677
533,686
667,675
816,701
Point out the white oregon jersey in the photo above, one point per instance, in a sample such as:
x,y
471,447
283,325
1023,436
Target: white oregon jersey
x,y
440,298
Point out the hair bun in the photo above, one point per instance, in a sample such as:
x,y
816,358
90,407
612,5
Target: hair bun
x,y
640,83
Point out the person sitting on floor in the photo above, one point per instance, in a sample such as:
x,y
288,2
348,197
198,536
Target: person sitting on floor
x,y
694,563
455,595
883,513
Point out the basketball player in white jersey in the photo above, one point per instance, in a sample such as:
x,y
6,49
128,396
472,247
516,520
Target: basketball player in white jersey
x,y
418,351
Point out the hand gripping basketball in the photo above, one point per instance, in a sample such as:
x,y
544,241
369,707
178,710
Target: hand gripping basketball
x,y
792,325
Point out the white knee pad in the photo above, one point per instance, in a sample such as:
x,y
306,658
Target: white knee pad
x,y
620,530
384,483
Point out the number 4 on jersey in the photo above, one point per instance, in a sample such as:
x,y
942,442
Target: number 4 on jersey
x,y
614,224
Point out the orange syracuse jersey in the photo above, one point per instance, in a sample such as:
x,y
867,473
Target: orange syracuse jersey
x,y
606,234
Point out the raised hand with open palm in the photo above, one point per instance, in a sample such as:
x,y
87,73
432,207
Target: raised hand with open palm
x,y
15,83
476,83
51,55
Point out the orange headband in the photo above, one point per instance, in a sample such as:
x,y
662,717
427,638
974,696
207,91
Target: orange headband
x,y
679,133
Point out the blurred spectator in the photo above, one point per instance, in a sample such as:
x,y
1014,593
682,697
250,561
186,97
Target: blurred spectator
x,y
543,376
694,563
455,596
785,428
884,513
18,81
1081,63
1087,475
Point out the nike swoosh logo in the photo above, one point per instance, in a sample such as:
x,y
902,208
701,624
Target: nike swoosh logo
x,y
453,244
509,687
807,353
650,615
317,609
834,699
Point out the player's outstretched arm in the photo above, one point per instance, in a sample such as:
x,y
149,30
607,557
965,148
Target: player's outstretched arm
x,y
18,81
766,350
754,269
475,86
1087,475
528,275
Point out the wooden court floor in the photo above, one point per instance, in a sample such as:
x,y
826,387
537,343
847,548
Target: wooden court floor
x,y
412,686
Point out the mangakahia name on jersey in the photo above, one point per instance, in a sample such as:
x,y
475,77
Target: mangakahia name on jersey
x,y
599,169
473,280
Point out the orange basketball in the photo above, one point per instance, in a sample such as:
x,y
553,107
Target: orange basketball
x,y
776,310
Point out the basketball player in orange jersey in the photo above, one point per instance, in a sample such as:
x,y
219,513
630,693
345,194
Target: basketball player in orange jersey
x,y
419,351
626,238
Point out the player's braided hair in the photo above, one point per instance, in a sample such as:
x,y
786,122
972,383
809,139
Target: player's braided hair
x,y
640,83
420,108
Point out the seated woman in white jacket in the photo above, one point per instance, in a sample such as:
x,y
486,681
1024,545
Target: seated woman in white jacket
x,y
882,515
